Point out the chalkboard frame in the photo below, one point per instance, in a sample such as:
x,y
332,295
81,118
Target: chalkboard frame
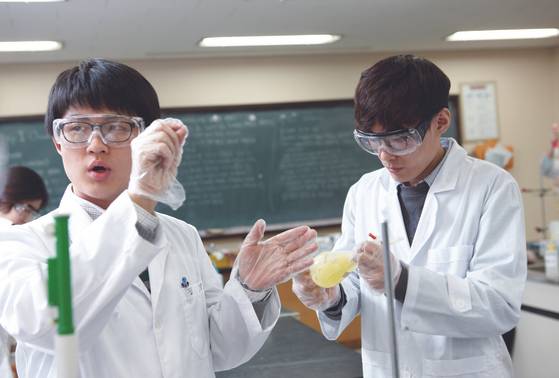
x,y
232,231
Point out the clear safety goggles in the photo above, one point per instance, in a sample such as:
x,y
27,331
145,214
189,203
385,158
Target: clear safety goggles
x,y
113,129
398,142
26,210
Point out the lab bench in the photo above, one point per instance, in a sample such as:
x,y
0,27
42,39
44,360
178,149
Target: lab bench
x,y
296,351
537,334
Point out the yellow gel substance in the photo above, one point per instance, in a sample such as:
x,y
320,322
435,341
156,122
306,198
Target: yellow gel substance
x,y
329,268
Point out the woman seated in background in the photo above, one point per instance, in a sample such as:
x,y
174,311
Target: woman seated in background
x,y
23,196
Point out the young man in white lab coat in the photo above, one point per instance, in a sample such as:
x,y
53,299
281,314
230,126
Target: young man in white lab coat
x,y
458,257
147,301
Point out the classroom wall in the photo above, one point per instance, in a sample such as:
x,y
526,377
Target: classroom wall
x,y
556,85
527,91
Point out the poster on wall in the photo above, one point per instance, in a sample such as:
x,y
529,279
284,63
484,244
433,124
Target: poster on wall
x,y
479,111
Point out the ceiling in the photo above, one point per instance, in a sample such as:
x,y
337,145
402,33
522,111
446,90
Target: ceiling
x,y
152,29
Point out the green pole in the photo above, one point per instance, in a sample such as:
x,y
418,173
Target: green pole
x,y
59,280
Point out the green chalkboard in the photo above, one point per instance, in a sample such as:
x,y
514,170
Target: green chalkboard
x,y
29,145
287,163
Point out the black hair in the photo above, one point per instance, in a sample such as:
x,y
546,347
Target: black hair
x,y
23,184
399,92
102,84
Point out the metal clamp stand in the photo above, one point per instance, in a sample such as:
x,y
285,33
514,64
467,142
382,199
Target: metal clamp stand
x,y
541,192
389,291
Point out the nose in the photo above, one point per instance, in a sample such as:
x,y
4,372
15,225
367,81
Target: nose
x,y
96,144
385,156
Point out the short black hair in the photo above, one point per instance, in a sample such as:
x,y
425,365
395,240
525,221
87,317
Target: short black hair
x,y
23,184
400,91
99,83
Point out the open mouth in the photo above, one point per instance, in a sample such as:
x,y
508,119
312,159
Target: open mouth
x,y
98,168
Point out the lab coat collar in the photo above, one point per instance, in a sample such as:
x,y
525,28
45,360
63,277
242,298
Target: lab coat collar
x,y
446,180
70,204
448,176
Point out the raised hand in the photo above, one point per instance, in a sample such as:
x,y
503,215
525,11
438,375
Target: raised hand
x,y
264,264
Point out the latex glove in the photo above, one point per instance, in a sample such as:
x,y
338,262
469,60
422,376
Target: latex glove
x,y
370,265
156,155
313,296
263,264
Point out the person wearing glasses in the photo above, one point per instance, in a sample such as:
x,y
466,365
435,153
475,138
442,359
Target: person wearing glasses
x,y
147,301
458,255
24,195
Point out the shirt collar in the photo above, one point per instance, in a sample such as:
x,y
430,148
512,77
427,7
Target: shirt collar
x,y
91,209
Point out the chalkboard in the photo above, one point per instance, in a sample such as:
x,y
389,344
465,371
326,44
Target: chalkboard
x,y
286,163
30,145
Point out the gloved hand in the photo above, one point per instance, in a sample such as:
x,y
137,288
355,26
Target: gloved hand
x,y
370,265
264,264
313,296
156,155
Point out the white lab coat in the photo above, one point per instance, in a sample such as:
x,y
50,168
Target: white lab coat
x,y
467,269
5,340
122,330
5,346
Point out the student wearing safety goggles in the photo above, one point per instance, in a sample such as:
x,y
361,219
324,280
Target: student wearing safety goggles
x,y
147,300
458,258
23,196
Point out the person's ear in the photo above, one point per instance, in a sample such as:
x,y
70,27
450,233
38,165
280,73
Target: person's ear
x,y
442,121
56,145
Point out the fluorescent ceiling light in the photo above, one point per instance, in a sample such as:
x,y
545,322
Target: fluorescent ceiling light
x,y
269,40
27,46
488,35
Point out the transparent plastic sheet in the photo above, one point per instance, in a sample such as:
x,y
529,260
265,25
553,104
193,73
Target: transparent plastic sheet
x,y
156,156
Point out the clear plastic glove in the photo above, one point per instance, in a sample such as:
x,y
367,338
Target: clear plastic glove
x,y
370,265
156,155
263,264
313,296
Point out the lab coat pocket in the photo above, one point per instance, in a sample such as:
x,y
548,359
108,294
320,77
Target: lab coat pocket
x,y
450,260
460,368
376,363
197,318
